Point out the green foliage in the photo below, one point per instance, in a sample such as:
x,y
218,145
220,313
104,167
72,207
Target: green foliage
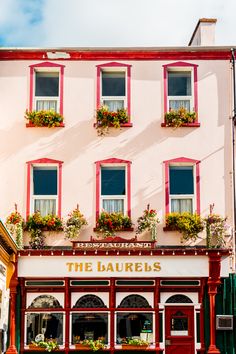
x,y
148,221
49,345
217,229
14,223
176,118
94,345
108,223
74,224
189,225
49,222
44,118
106,119
136,341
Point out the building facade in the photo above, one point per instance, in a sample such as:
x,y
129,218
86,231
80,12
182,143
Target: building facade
x,y
158,288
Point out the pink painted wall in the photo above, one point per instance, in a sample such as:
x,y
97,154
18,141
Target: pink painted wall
x,y
146,144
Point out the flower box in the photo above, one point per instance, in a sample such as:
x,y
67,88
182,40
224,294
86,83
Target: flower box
x,y
82,347
134,347
106,119
44,119
179,118
35,347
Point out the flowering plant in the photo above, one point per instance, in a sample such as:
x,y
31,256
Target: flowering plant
x,y
44,118
176,118
14,223
76,340
36,223
74,224
148,221
189,225
49,345
135,341
216,227
94,345
108,223
106,119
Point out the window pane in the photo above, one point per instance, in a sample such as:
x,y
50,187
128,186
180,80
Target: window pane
x,y
113,205
45,181
114,105
89,326
179,324
46,105
45,206
179,83
113,83
181,205
138,325
113,180
48,324
181,180
177,104
46,84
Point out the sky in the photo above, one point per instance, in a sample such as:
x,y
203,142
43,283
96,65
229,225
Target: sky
x,y
111,23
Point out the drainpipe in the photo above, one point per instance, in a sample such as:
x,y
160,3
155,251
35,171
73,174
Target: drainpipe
x,y
233,142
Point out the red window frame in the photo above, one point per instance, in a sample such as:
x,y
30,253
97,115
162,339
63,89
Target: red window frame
x,y
183,160
185,65
33,69
98,177
128,85
30,165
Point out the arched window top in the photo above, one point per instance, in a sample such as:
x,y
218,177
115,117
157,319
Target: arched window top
x,y
90,301
134,301
44,302
179,298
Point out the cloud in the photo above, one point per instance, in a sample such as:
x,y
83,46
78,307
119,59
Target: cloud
x,y
88,23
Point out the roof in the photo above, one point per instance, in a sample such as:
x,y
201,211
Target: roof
x,y
6,240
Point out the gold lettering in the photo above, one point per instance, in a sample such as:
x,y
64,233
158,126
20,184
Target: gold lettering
x,y
88,267
138,267
129,267
100,267
110,267
156,267
119,267
147,267
69,266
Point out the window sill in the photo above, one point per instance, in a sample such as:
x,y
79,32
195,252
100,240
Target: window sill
x,y
124,125
123,230
188,125
30,125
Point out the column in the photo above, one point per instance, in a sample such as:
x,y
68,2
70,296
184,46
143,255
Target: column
x,y
12,335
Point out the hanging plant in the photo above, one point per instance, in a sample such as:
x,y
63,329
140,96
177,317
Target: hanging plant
x,y
177,118
37,223
14,223
108,223
74,224
216,230
148,221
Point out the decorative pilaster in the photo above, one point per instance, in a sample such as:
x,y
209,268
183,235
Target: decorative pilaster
x,y
213,283
12,336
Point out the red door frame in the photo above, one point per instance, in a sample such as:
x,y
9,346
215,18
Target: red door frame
x,y
179,342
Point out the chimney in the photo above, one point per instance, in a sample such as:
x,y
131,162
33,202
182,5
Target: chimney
x,y
204,33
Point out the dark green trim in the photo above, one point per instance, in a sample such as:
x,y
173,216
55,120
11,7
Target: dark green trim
x,y
135,282
89,282
181,282
44,283
160,327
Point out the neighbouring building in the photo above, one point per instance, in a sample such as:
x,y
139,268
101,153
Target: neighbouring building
x,y
143,129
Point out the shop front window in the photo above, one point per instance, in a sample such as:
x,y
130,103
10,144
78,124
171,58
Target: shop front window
x,y
89,326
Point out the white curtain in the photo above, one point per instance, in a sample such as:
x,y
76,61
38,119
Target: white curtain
x,y
114,105
181,205
46,105
176,104
113,205
45,206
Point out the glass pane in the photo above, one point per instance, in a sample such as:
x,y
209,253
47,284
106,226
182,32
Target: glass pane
x,y
136,325
45,181
114,105
45,206
179,324
113,83
181,205
50,325
176,104
89,326
46,84
113,205
179,83
46,105
113,180
181,180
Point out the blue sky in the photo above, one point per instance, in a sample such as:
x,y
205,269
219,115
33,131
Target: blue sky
x,y
91,23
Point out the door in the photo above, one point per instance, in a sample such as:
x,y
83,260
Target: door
x,y
179,330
